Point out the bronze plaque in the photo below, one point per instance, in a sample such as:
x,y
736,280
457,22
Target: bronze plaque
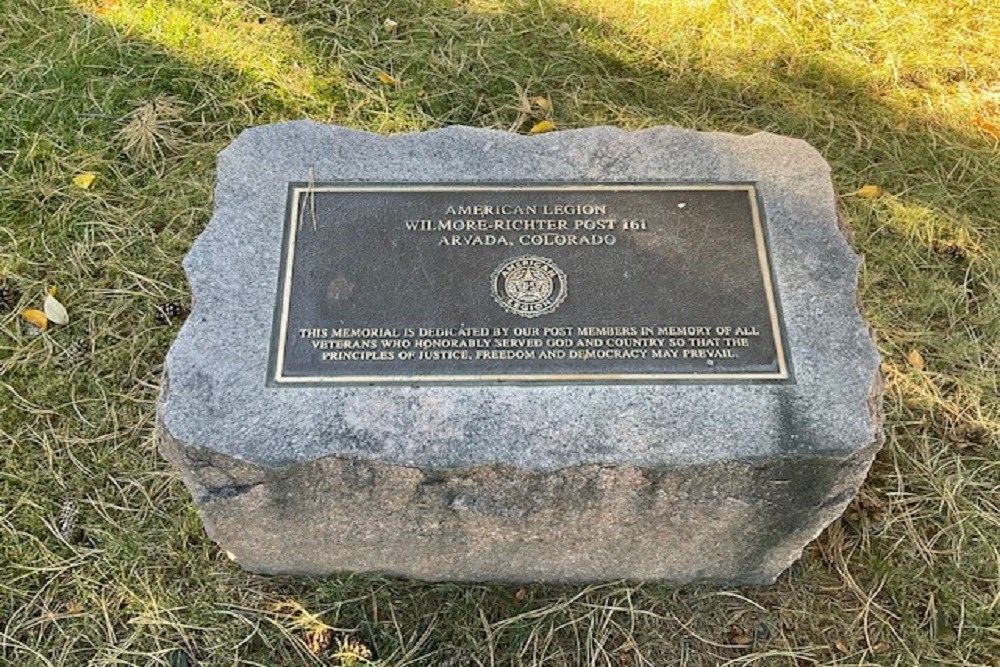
x,y
512,282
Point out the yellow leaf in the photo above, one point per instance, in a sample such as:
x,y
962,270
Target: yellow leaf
x,y
869,191
916,359
105,6
387,79
543,126
36,317
986,126
53,290
84,180
541,102
55,311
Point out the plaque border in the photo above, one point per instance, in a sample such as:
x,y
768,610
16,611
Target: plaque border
x,y
279,330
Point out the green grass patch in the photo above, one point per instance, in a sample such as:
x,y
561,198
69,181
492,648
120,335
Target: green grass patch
x,y
144,93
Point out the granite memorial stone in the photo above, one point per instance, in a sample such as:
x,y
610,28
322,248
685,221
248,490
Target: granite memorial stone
x,y
471,355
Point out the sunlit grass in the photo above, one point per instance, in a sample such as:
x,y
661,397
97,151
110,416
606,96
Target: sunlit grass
x,y
903,95
251,42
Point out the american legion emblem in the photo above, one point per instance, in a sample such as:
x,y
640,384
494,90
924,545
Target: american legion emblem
x,y
529,286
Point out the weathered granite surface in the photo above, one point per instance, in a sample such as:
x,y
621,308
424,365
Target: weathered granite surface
x,y
723,482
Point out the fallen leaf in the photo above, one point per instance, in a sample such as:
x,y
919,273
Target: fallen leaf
x,y
988,127
390,25
521,594
387,79
916,359
36,317
739,636
84,180
543,126
869,191
55,311
105,6
542,102
53,290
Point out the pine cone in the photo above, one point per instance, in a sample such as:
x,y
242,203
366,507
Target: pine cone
x,y
69,526
74,353
169,312
8,298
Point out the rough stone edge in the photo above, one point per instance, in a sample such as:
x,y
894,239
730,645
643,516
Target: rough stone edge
x,y
182,455
215,480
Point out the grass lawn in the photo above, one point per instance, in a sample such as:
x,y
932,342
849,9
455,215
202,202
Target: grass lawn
x,y
103,560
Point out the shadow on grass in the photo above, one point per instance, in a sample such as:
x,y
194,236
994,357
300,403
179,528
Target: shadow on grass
x,y
457,65
158,580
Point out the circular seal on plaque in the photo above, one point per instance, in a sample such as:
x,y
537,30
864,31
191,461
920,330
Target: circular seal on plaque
x,y
529,286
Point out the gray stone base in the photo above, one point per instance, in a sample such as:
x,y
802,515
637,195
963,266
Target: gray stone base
x,y
728,522
567,483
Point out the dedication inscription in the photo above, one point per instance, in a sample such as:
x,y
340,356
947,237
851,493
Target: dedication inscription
x,y
572,282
